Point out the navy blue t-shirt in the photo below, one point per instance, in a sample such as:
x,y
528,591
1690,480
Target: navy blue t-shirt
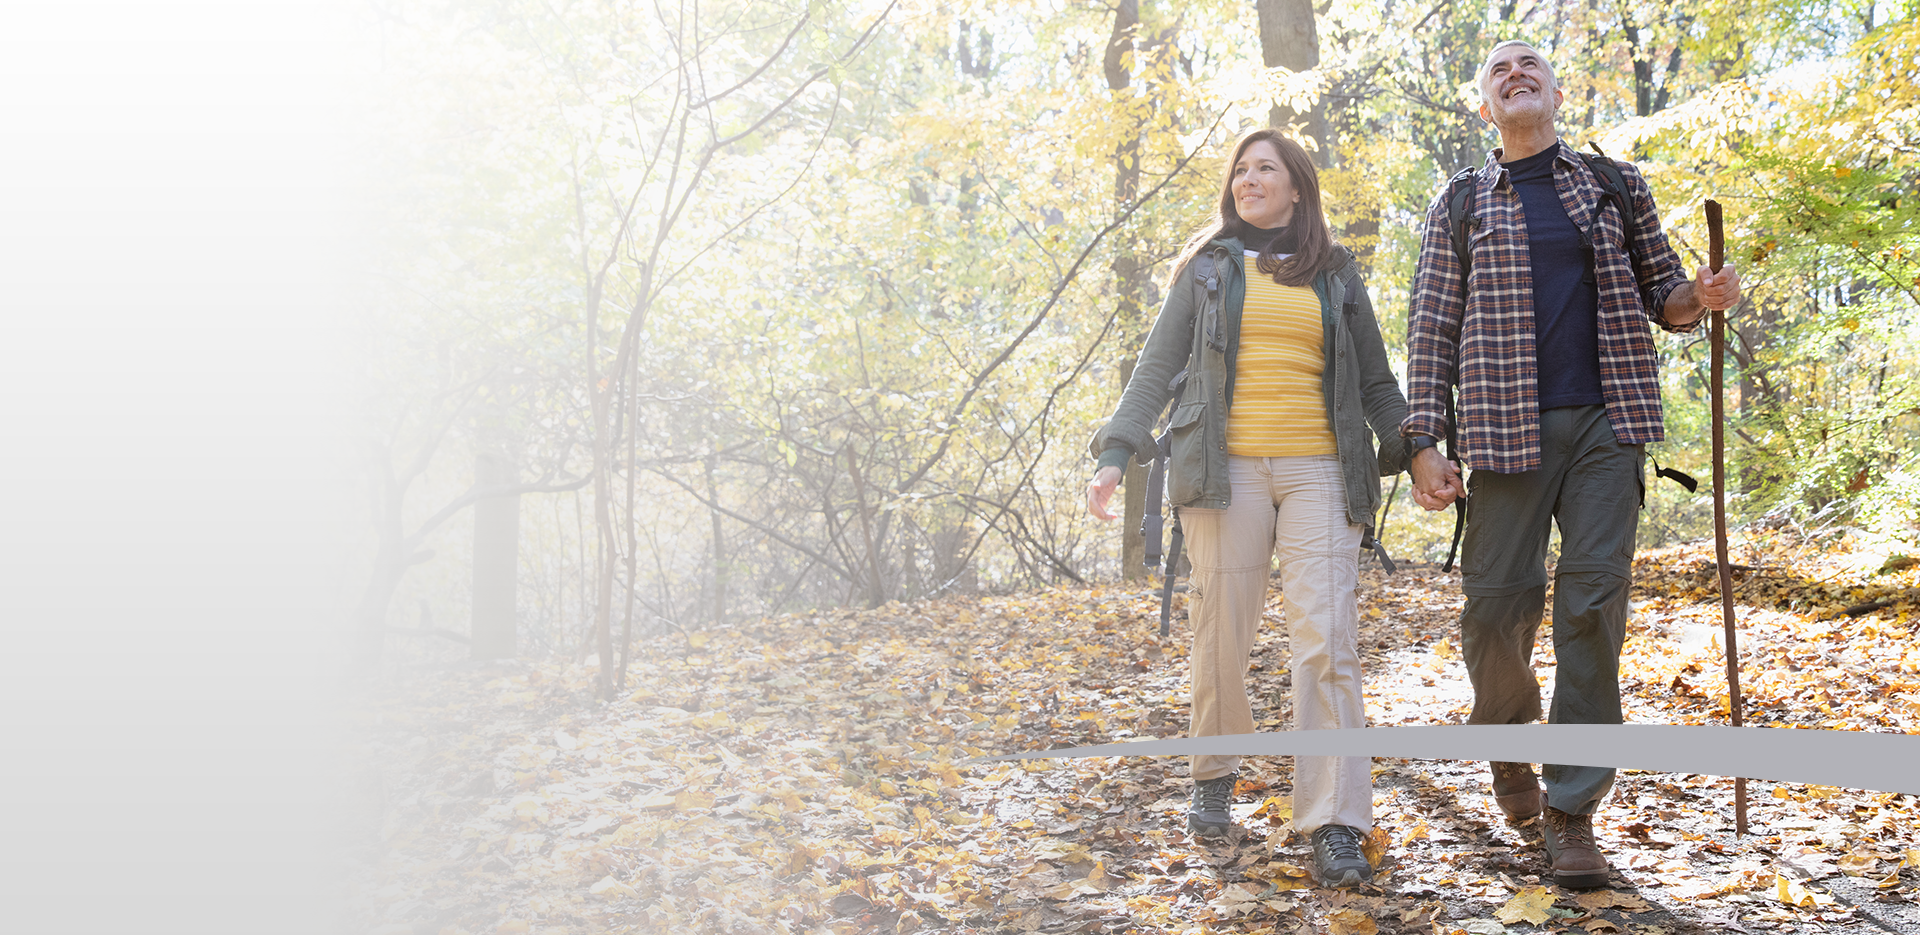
x,y
1566,301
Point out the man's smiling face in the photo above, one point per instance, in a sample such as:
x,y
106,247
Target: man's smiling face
x,y
1517,87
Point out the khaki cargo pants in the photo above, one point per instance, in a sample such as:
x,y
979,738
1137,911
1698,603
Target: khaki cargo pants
x,y
1296,507
1592,485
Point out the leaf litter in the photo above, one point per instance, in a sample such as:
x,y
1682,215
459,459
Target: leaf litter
x,y
820,773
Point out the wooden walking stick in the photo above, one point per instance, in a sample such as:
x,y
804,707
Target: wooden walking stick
x,y
1716,257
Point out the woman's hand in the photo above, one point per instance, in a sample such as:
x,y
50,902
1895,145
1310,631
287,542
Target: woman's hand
x,y
1100,490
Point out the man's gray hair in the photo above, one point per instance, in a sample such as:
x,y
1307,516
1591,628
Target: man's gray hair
x,y
1480,76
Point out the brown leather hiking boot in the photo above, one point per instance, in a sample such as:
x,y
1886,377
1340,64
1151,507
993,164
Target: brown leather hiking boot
x,y
1516,790
1571,852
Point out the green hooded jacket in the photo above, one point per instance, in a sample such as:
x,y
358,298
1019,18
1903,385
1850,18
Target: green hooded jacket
x,y
1192,349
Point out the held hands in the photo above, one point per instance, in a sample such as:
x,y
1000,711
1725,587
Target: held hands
x,y
1436,481
1717,290
1100,490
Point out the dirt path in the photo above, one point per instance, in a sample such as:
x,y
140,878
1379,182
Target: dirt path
x,y
818,774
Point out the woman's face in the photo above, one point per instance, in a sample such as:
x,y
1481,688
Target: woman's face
x,y
1263,193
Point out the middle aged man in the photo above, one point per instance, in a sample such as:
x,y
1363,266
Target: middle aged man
x,y
1548,343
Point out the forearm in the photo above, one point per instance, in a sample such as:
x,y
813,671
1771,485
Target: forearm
x,y
1380,393
1684,308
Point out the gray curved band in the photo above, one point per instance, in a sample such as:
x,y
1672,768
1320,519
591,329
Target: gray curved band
x,y
1853,759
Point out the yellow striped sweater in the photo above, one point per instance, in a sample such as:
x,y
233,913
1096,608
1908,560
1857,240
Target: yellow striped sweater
x,y
1279,409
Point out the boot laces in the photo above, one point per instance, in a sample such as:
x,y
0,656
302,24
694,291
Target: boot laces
x,y
1574,831
1343,843
1216,795
1511,770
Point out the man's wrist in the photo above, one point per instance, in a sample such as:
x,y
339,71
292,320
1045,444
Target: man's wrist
x,y
1696,305
1419,443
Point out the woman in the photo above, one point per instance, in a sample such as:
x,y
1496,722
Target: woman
x,y
1276,374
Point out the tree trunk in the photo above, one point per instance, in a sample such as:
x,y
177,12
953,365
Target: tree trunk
x,y
606,554
604,560
1290,39
1129,277
719,548
1133,486
496,563
876,576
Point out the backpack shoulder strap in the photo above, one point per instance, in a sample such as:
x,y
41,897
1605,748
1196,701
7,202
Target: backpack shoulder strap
x,y
1460,219
1613,185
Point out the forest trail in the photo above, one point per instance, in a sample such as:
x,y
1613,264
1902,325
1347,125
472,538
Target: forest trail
x,y
818,773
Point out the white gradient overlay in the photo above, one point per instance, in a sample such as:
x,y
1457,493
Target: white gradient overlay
x,y
175,216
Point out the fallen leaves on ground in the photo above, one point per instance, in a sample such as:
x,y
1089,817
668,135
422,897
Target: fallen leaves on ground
x,y
1528,905
822,773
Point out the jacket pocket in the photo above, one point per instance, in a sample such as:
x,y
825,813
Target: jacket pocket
x,y
1187,458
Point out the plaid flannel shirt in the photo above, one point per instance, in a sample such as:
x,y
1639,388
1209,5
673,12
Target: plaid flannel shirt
x,y
1491,338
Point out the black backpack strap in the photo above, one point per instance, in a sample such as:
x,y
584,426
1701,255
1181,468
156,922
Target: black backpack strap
x,y
1459,524
1461,219
1172,572
1613,187
1151,522
1679,477
1460,222
1369,543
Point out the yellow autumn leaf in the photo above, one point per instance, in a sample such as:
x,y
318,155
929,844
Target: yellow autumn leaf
x,y
1608,899
1530,905
1276,808
1276,872
1059,851
1350,922
1374,848
1797,896
1857,864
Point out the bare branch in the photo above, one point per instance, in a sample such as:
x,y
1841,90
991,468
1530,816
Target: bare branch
x,y
772,533
476,494
1053,299
784,43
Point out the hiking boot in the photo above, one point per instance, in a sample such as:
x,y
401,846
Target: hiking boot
x,y
1516,790
1212,810
1571,852
1337,858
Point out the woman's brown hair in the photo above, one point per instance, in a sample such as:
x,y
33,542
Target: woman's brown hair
x,y
1315,241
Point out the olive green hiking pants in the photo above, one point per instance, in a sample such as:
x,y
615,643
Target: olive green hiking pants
x,y
1592,485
